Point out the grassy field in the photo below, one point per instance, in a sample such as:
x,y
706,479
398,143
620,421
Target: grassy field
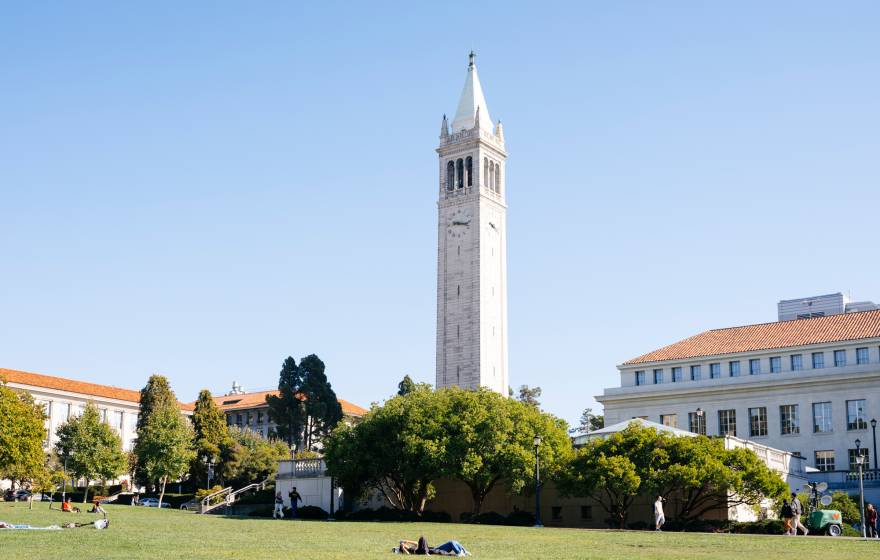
x,y
150,533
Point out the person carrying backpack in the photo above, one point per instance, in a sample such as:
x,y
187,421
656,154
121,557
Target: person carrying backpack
x,y
787,514
294,498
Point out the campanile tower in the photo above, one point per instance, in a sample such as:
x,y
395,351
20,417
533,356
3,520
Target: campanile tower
x,y
472,246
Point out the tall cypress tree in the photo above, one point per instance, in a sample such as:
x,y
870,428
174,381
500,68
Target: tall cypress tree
x,y
211,434
322,408
156,397
286,409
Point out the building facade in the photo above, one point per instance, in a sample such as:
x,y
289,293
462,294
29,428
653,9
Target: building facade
x,y
472,246
807,386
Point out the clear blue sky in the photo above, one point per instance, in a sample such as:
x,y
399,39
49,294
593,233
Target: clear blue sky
x,y
201,189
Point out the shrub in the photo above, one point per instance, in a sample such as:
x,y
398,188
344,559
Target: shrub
x,y
763,527
389,514
521,518
263,512
311,512
488,518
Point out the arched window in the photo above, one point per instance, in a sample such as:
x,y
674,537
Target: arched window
x,y
469,167
485,172
460,177
450,175
498,178
491,177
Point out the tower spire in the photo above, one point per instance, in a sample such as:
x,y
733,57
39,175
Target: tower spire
x,y
471,99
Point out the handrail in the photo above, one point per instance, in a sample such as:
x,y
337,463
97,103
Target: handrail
x,y
231,495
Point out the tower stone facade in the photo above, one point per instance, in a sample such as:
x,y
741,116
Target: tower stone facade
x,y
472,246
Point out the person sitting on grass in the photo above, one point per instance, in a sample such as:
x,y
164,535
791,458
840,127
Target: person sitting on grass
x,y
66,507
96,508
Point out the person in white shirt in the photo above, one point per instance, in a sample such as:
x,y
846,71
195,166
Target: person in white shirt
x,y
659,518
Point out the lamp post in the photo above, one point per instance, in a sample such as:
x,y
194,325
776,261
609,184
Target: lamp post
x,y
860,459
874,436
700,426
537,443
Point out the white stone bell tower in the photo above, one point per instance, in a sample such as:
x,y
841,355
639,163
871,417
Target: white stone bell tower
x,y
472,246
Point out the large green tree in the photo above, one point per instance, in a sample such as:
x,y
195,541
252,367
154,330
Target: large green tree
x,y
397,449
286,410
165,446
90,448
644,462
211,434
491,441
22,433
322,408
156,396
407,386
530,395
251,458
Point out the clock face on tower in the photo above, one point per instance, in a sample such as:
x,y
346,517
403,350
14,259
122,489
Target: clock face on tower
x,y
460,223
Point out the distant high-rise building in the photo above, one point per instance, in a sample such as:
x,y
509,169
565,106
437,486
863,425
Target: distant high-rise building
x,y
821,306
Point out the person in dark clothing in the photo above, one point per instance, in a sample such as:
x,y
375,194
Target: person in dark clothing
x,y
787,516
871,521
295,498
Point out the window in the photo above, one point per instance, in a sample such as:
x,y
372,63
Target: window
x,y
697,422
450,175
788,419
640,377
818,360
797,362
556,512
469,170
758,421
727,422
118,421
821,417
658,376
853,453
733,367
839,358
238,420
754,367
855,415
486,171
676,374
259,417
459,168
714,371
861,356
775,364
586,512
825,460
695,373
669,420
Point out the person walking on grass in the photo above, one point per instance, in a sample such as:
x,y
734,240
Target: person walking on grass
x,y
797,509
279,507
871,521
659,518
294,499
786,514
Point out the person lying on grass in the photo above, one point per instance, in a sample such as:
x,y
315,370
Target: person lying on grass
x,y
451,548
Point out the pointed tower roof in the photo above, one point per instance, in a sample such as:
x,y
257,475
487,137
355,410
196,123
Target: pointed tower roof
x,y
471,100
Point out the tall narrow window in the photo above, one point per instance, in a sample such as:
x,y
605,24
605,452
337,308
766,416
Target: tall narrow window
x,y
839,358
697,422
727,422
856,419
658,376
797,362
714,371
459,165
734,368
754,366
775,364
861,356
676,374
758,421
788,420
485,178
450,175
491,177
469,169
497,178
818,360
695,373
822,422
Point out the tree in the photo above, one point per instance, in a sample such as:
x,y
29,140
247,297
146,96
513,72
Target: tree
x,y
286,409
407,386
615,470
708,477
252,458
164,446
397,449
322,409
22,433
529,395
155,396
211,434
491,441
591,422
91,449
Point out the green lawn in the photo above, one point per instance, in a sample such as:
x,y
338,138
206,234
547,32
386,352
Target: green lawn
x,y
150,533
